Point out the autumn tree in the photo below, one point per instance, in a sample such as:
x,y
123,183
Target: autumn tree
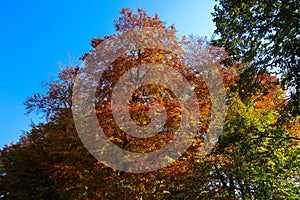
x,y
145,96
254,149
69,168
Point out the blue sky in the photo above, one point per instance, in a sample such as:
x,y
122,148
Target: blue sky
x,y
36,35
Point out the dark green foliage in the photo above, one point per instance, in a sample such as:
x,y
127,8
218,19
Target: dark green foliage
x,y
265,35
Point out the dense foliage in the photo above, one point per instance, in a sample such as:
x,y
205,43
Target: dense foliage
x,y
266,36
256,157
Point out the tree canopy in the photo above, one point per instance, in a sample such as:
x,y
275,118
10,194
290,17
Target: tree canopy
x,y
265,35
256,157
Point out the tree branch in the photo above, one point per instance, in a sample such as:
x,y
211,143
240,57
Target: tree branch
x,y
277,137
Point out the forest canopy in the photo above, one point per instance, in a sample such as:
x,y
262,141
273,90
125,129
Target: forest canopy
x,y
256,156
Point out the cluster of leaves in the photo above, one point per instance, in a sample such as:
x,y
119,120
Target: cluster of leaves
x,y
264,34
257,156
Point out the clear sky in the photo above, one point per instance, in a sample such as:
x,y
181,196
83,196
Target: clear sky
x,y
36,35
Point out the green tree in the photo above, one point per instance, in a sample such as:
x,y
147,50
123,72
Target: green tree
x,y
264,34
257,157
